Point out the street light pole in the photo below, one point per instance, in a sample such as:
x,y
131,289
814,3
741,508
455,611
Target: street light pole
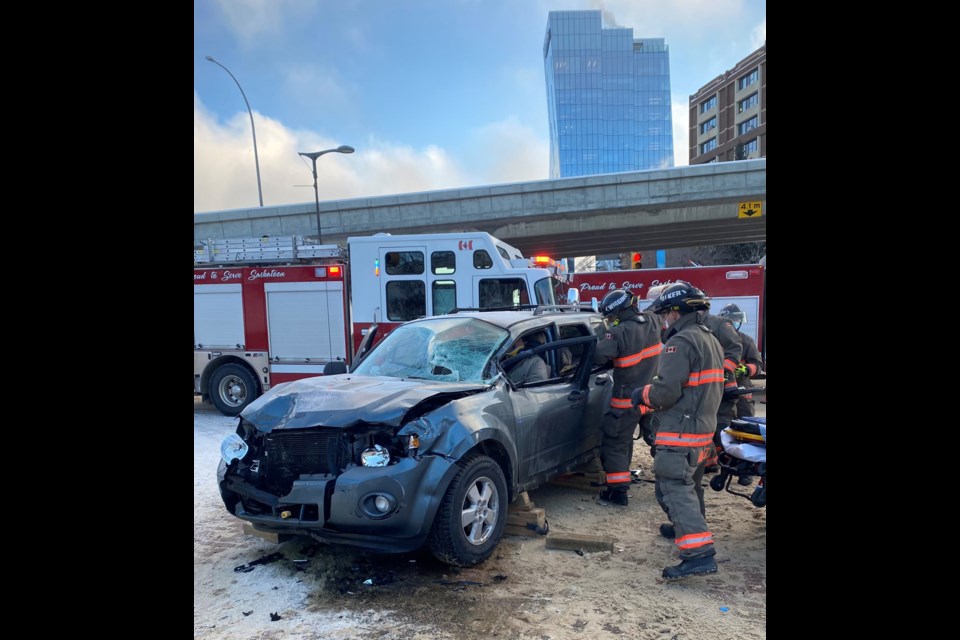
x,y
313,155
256,158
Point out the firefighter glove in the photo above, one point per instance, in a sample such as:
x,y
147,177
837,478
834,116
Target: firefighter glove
x,y
636,397
741,371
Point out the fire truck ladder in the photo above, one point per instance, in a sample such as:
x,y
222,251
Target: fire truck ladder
x,y
261,250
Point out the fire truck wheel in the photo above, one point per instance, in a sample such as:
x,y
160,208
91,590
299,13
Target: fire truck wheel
x,y
232,387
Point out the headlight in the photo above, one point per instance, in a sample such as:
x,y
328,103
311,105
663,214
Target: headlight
x,y
376,456
233,448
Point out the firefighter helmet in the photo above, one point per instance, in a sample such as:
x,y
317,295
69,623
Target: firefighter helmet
x,y
680,296
735,314
615,301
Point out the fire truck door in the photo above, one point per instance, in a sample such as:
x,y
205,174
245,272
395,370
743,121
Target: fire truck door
x,y
403,283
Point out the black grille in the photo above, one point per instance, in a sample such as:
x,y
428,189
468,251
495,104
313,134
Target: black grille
x,y
288,454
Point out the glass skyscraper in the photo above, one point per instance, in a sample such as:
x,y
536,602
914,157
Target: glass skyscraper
x,y
608,97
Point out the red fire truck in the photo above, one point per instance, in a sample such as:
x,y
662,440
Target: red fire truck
x,y
742,284
271,310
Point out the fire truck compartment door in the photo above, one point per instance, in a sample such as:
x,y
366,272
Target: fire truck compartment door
x,y
218,316
306,320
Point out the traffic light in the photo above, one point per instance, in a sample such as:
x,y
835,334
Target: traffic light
x,y
636,260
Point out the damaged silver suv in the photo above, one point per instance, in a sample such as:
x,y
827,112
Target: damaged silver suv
x,y
428,439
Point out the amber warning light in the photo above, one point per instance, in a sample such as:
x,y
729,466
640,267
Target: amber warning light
x,y
334,272
542,260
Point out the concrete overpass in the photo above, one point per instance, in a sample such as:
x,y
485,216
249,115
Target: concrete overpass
x,y
611,213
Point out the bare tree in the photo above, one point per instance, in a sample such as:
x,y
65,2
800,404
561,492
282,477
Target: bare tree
x,y
743,253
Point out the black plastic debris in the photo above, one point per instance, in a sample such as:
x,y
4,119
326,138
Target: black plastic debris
x,y
499,577
246,613
579,552
460,583
247,568
274,616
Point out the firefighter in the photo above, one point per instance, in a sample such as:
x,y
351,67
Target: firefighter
x,y
726,334
647,428
751,362
686,394
631,344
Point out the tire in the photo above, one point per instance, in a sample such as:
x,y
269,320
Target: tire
x,y
232,388
759,497
478,496
717,482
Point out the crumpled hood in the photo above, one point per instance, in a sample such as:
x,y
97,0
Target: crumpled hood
x,y
344,400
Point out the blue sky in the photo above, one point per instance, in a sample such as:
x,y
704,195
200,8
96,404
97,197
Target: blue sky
x,y
433,94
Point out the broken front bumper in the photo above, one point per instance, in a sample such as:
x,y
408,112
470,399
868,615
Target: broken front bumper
x,y
345,509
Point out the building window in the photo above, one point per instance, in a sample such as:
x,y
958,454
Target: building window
x,y
747,125
709,104
748,103
748,79
709,145
751,147
709,124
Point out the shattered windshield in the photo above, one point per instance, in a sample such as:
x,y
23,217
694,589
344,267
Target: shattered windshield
x,y
445,349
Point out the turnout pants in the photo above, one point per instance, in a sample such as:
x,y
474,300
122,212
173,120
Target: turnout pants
x,y
679,472
616,447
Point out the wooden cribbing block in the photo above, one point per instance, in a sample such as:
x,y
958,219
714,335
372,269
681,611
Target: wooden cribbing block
x,y
576,541
522,503
517,530
579,481
523,518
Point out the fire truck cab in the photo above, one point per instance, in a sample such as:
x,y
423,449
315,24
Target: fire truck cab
x,y
271,310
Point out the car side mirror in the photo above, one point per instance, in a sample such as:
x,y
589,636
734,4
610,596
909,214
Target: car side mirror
x,y
334,367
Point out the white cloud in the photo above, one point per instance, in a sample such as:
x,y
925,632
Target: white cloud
x,y
653,18
317,84
508,151
759,35
250,18
224,173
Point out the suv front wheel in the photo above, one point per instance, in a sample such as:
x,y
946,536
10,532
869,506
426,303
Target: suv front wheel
x,y
473,514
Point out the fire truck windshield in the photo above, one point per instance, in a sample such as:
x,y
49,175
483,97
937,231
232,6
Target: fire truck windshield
x,y
544,290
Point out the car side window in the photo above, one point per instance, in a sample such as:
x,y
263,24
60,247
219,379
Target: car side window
x,y
569,357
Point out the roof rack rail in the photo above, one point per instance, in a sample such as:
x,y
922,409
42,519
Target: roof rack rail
x,y
519,307
562,307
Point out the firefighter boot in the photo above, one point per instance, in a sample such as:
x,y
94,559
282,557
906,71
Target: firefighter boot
x,y
614,496
745,481
691,567
667,531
